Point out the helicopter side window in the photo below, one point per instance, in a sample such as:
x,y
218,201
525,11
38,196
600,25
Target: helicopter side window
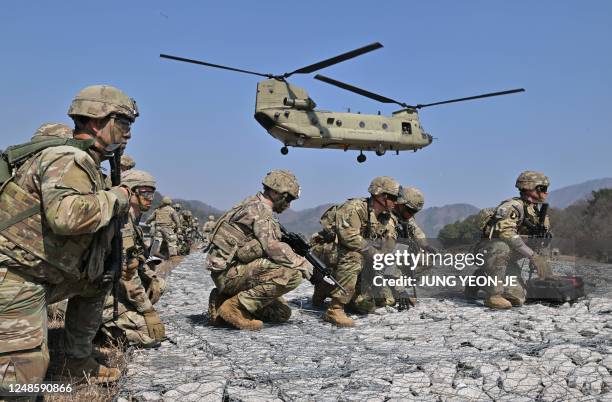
x,y
330,120
406,128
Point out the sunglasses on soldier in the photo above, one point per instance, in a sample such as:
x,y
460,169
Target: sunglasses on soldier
x,y
123,123
542,189
146,194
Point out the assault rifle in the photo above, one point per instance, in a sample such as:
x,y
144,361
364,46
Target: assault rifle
x,y
114,263
320,271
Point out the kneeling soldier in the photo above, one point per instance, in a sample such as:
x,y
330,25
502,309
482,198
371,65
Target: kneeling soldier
x,y
250,265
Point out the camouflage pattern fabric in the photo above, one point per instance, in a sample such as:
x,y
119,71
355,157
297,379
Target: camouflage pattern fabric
x,y
258,282
513,217
77,210
167,223
355,233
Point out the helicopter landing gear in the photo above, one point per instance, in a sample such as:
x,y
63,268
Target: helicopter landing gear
x,y
284,150
361,157
380,152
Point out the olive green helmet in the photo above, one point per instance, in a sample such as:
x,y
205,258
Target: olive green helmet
x,y
384,185
211,218
137,178
412,198
167,201
98,101
529,180
52,130
282,181
127,162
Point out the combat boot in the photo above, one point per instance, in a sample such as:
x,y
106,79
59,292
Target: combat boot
x,y
336,315
497,302
236,315
90,370
215,300
275,312
321,291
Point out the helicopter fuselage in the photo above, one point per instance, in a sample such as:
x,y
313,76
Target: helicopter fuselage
x,y
289,115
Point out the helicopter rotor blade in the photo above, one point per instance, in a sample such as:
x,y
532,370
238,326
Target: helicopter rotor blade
x,y
203,63
359,91
334,60
511,91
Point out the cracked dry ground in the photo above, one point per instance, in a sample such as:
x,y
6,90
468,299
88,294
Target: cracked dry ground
x,y
441,350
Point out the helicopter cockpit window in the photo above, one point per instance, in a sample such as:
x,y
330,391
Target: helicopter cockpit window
x,y
406,128
330,120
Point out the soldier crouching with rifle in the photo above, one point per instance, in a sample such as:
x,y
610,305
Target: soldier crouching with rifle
x,y
135,318
503,244
250,264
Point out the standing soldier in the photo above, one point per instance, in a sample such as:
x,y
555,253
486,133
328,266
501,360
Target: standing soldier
x,y
55,232
503,241
127,163
360,222
167,224
250,265
138,321
208,228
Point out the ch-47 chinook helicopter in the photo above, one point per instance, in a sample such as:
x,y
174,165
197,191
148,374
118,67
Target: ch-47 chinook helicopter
x,y
289,115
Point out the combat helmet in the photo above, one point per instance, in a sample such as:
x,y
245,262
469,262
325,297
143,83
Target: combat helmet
x,y
167,201
529,180
177,206
138,178
46,130
282,181
411,197
98,101
384,185
127,162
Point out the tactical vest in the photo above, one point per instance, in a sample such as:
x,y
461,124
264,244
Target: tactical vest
x,y
20,215
163,216
487,219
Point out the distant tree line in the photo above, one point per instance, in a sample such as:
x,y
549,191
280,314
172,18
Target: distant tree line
x,y
583,229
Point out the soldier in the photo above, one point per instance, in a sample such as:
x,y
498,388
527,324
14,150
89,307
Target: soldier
x,y
52,130
55,235
250,265
208,228
359,222
127,163
138,321
167,224
503,244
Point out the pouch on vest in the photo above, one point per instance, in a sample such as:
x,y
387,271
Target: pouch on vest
x,y
228,239
486,222
251,251
328,222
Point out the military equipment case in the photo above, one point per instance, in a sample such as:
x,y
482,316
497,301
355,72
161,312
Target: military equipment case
x,y
559,289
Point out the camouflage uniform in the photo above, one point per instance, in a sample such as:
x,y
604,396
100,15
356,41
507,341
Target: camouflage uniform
x,y
138,321
250,263
58,253
208,228
127,163
360,232
52,130
167,223
504,246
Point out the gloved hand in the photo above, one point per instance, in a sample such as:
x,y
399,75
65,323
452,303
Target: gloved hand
x,y
306,269
131,265
155,326
542,266
155,290
404,301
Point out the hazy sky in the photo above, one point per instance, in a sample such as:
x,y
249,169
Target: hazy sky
x,y
197,134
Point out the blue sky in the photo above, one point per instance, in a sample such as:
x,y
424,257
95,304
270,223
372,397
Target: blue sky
x,y
197,134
